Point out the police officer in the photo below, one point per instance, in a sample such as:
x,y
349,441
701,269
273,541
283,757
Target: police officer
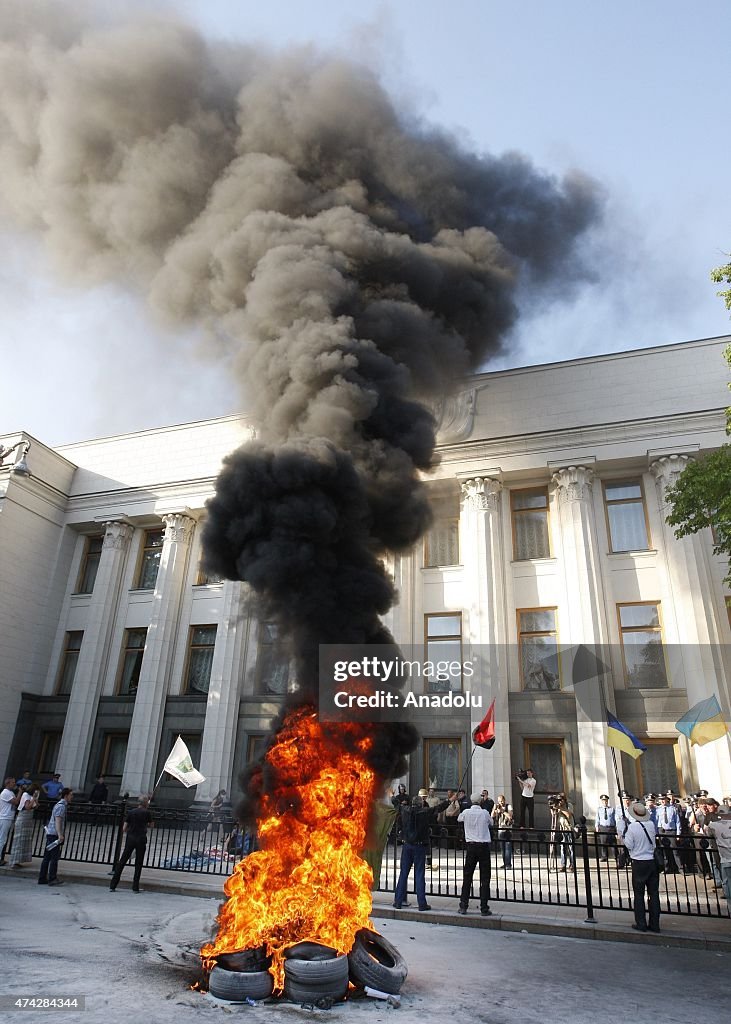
x,y
606,828
651,805
623,817
668,824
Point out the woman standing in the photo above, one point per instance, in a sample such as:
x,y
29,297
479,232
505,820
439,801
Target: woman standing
x,y
22,851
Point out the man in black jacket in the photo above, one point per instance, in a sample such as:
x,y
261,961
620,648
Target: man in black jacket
x,y
139,819
415,822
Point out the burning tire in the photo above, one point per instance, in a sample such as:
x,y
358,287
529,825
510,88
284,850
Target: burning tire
x,y
310,951
307,981
375,962
237,986
246,960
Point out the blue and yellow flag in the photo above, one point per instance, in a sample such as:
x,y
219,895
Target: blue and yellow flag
x,y
704,722
621,738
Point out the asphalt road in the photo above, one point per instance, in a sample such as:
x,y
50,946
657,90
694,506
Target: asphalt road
x,y
134,957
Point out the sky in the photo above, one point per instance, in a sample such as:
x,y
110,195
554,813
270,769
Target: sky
x,y
631,93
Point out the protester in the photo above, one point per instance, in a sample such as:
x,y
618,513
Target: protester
x,y
486,801
55,838
476,822
22,851
8,802
639,840
400,798
139,819
415,821
214,817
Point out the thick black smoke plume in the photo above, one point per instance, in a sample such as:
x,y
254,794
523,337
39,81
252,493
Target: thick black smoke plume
x,y
357,265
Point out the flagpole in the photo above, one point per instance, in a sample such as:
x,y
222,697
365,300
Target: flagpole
x,y
474,748
152,796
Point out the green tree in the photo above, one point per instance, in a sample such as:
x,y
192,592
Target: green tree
x,y
702,495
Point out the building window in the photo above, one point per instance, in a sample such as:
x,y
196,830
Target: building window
x,y
442,763
206,579
272,662
114,753
255,748
529,510
150,560
441,543
626,516
642,649
50,746
658,770
134,649
547,760
443,643
90,564
200,658
69,661
540,667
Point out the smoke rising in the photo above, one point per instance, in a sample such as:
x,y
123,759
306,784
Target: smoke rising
x,y
356,265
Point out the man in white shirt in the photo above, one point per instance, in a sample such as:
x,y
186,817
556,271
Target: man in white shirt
x,y
8,803
476,821
639,839
528,784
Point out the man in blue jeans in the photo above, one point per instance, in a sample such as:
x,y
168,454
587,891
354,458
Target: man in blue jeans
x,y
415,821
55,838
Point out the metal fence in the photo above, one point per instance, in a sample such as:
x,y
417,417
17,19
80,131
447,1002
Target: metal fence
x,y
181,840
568,869
537,867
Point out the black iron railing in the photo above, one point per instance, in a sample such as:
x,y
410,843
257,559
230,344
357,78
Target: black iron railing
x,y
533,866
567,869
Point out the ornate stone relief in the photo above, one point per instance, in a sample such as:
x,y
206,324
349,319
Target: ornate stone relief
x,y
573,483
481,493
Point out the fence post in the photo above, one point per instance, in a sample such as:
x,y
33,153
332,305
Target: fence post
x,y
120,834
589,919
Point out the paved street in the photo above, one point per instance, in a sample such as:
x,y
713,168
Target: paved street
x,y
133,957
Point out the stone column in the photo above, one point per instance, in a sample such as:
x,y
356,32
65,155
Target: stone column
x,y
481,538
691,587
152,688
224,693
584,622
78,728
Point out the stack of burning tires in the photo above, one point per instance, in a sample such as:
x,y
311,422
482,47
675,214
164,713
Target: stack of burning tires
x,y
314,974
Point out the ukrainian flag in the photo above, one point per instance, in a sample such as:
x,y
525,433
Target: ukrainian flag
x,y
704,722
619,736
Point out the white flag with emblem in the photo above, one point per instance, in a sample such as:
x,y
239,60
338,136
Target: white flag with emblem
x,y
180,766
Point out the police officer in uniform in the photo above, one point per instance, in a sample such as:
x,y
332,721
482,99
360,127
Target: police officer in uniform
x,y
668,824
606,828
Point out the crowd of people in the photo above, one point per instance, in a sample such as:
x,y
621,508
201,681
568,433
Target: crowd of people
x,y
629,833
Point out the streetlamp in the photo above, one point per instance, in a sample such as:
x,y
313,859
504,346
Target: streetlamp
x,y
20,468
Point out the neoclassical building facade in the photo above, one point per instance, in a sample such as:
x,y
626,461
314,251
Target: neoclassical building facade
x,y
549,533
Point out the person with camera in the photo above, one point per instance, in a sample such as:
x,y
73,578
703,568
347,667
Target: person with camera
x,y
527,796
640,842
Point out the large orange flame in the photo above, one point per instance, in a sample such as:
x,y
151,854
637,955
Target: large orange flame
x,y
307,881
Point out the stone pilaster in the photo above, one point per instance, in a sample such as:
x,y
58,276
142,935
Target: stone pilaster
x,y
154,682
690,588
224,693
583,621
481,539
78,728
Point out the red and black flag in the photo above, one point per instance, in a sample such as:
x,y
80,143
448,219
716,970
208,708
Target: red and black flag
x,y
484,734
